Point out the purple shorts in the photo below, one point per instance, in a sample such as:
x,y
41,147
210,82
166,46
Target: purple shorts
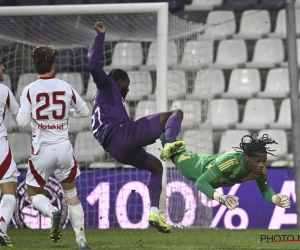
x,y
126,142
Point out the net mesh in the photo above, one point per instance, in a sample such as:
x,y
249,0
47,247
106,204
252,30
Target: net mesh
x,y
114,195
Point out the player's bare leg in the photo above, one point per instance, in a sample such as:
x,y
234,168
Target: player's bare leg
x,y
76,213
7,208
43,204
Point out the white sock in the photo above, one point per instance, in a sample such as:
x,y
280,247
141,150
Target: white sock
x,y
167,144
43,204
76,215
7,208
155,210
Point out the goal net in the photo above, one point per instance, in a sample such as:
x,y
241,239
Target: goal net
x,y
114,195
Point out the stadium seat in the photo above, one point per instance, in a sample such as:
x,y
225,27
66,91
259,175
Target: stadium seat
x,y
284,120
258,114
90,91
277,84
6,80
81,124
202,90
74,79
64,61
196,54
243,84
281,149
297,3
35,2
23,81
188,16
224,113
230,139
7,2
221,24
140,85
102,165
268,53
87,148
285,64
20,144
192,112
239,5
198,141
127,56
56,2
254,24
231,54
204,5
81,55
102,1
145,108
271,4
176,85
151,62
280,27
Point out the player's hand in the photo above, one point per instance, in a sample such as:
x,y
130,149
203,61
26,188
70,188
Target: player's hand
x,y
230,201
99,27
281,200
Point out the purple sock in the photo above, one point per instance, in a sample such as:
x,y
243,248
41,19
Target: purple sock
x,y
173,126
154,187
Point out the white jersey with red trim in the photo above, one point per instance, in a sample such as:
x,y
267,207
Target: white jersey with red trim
x,y
49,101
7,101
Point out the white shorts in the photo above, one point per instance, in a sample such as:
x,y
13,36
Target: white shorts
x,y
8,168
58,159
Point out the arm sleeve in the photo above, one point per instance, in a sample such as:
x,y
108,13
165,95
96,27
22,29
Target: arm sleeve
x,y
83,112
13,105
79,106
24,115
264,187
213,173
95,67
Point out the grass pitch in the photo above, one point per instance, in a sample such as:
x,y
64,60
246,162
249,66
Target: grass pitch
x,y
179,239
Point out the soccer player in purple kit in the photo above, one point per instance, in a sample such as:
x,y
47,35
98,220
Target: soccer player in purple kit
x,y
124,139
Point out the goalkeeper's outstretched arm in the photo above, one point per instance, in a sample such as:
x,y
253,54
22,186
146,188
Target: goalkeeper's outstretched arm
x,y
95,67
230,201
269,194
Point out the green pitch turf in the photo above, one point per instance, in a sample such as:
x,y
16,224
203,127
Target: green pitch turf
x,y
179,239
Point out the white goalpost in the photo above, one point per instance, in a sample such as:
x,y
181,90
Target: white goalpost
x,y
168,61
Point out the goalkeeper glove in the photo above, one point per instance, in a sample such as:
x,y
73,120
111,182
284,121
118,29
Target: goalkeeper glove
x,y
281,200
230,201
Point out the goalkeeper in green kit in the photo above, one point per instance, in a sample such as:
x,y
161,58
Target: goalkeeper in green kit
x,y
245,164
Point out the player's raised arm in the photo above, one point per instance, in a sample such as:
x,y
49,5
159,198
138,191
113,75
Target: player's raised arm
x,y
95,66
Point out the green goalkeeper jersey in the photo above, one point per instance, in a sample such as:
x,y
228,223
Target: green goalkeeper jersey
x,y
212,171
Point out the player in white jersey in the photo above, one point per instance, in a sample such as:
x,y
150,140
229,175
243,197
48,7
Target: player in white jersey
x,y
48,103
8,169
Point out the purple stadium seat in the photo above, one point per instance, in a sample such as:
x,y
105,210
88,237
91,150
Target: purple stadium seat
x,y
81,59
64,61
239,5
68,2
193,16
271,4
7,2
102,1
35,2
175,5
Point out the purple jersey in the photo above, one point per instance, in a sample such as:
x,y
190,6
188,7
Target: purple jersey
x,y
108,106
